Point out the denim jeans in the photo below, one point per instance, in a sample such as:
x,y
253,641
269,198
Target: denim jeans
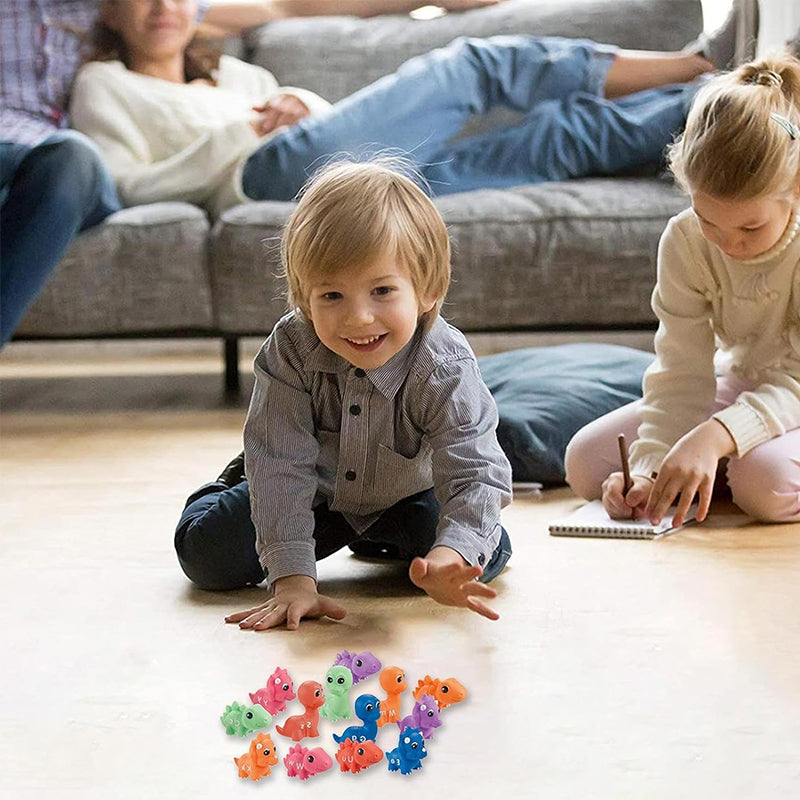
x,y
569,129
216,541
47,194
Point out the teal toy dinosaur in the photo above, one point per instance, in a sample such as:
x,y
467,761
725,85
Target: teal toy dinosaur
x,y
338,682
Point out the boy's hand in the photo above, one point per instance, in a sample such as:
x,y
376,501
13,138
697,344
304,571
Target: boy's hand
x,y
690,468
619,505
294,597
446,577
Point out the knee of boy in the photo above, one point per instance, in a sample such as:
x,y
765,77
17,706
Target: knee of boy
x,y
72,163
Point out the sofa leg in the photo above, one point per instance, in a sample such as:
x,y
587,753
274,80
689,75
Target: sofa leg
x,y
231,348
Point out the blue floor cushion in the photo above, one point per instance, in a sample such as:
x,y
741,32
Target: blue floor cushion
x,y
546,394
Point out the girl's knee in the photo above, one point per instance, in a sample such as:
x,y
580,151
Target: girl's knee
x,y
577,460
766,488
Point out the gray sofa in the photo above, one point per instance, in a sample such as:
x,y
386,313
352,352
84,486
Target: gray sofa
x,y
578,254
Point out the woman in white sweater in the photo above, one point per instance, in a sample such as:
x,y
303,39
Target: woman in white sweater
x,y
727,297
221,134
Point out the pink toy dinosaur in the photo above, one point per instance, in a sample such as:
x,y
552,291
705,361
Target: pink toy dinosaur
x,y
355,756
303,763
276,693
446,692
393,682
301,725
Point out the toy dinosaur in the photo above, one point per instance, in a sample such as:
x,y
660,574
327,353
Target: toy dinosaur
x,y
304,763
446,692
362,665
425,716
393,682
257,762
338,682
368,709
408,754
243,720
299,726
355,756
276,693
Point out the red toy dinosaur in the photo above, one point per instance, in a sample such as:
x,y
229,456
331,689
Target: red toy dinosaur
x,y
355,756
304,725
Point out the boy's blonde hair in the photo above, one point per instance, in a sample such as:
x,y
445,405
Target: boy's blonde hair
x,y
352,213
732,147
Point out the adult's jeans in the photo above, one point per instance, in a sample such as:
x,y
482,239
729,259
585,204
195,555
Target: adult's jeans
x,y
215,539
569,129
48,193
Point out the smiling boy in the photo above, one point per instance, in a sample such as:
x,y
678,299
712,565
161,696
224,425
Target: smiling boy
x,y
369,425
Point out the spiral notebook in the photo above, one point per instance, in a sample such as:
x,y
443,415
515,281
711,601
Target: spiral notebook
x,y
592,520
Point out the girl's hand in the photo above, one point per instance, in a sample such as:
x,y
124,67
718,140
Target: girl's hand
x,y
446,577
294,597
282,110
690,468
619,505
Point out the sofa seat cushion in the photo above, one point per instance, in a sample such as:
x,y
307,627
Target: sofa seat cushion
x,y
143,271
579,253
544,395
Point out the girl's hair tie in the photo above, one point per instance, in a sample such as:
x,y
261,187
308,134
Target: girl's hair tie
x,y
766,77
787,125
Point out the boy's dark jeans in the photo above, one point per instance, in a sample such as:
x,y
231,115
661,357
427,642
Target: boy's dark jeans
x,y
215,538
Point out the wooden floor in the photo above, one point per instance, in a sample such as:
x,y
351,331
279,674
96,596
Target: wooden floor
x,y
618,669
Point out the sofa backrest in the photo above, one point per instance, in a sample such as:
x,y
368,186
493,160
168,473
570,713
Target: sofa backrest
x,y
334,56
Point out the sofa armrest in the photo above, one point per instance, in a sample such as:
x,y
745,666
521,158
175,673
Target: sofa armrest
x,y
334,56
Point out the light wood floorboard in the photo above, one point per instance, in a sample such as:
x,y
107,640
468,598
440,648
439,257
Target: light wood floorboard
x,y
618,669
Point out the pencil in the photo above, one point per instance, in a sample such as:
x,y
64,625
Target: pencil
x,y
623,457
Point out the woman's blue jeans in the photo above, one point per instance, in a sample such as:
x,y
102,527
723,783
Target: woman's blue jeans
x,y
569,129
47,194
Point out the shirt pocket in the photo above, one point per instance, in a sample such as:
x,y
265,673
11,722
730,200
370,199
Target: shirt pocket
x,y
397,476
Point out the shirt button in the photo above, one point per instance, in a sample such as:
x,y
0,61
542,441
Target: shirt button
x,y
360,373
350,475
481,559
355,409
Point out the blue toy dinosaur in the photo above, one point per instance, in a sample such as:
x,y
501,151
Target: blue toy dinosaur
x,y
408,754
367,709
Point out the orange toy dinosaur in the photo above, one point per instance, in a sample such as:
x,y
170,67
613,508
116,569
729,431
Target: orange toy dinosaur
x,y
446,692
302,725
259,759
355,756
393,682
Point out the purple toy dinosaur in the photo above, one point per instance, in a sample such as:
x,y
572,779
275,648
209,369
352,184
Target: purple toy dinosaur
x,y
424,716
362,665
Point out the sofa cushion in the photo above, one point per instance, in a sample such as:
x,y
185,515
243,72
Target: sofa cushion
x,y
580,253
544,395
144,270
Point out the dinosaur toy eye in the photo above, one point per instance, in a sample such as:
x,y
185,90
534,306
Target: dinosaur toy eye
x,y
340,680
330,678
400,678
445,689
266,752
359,662
430,713
369,707
249,715
361,751
414,746
316,693
285,687
310,759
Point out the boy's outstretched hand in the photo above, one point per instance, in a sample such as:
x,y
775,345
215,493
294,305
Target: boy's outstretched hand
x,y
294,597
448,579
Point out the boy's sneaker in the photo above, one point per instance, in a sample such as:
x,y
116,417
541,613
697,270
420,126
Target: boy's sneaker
x,y
233,474
734,42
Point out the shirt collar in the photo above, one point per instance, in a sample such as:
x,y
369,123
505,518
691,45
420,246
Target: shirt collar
x,y
387,379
